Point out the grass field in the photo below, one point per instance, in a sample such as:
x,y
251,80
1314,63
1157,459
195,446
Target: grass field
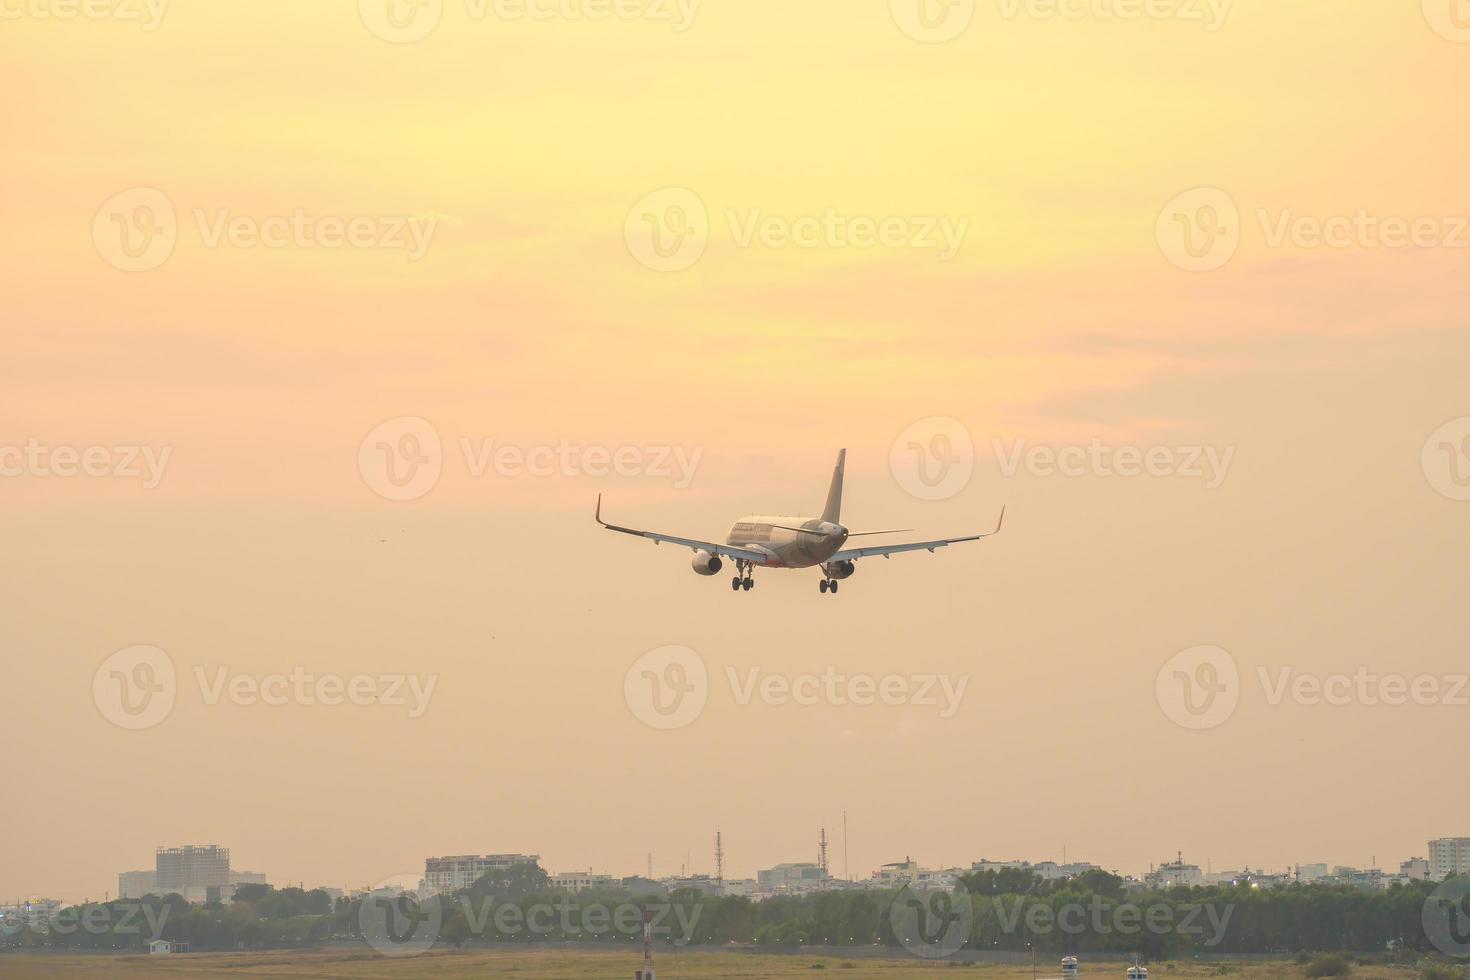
x,y
349,965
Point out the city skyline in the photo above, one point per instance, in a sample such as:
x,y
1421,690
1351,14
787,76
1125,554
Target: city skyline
x,y
1456,845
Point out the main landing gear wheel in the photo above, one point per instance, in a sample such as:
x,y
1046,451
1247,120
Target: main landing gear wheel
x,y
735,583
749,583
829,585
833,587
824,585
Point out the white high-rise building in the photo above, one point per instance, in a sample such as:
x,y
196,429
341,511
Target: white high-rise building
x,y
458,871
1449,856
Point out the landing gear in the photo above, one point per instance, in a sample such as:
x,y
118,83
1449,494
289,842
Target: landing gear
x,y
829,585
825,583
735,583
743,578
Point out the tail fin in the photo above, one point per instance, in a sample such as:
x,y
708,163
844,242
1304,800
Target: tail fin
x,y
833,511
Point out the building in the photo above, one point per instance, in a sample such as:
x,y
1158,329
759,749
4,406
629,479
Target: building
x,y
167,946
895,874
453,873
198,872
136,884
1449,856
248,878
1415,869
31,913
792,879
1308,873
1174,873
576,881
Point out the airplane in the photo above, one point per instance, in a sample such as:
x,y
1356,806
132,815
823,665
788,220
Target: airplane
x,y
792,542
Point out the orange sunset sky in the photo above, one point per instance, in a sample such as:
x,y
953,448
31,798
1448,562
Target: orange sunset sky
x,y
661,228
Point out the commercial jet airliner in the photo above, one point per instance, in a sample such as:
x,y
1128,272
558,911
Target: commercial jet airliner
x,y
792,542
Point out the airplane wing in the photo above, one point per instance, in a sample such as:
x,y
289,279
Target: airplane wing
x,y
892,549
727,551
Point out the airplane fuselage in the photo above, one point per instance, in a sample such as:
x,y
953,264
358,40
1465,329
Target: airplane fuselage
x,y
818,540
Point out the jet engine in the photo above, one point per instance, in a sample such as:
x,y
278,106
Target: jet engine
x,y
707,564
839,569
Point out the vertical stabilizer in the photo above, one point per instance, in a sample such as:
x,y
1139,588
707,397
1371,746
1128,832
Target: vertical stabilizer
x,y
833,511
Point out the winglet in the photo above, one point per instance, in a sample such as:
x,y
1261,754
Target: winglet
x,y
1001,521
599,511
